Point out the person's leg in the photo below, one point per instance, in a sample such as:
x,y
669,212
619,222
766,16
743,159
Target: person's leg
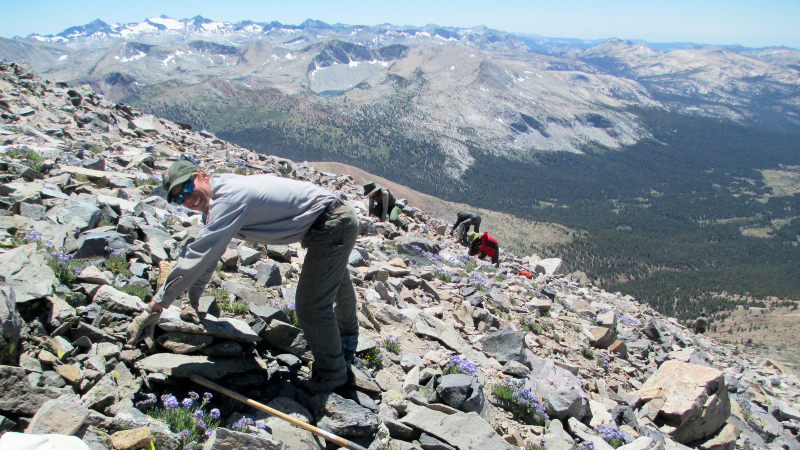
x,y
394,218
322,275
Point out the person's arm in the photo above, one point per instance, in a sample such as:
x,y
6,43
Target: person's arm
x,y
474,247
384,204
459,219
371,204
199,259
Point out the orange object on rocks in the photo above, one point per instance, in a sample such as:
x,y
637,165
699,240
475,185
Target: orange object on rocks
x,y
526,274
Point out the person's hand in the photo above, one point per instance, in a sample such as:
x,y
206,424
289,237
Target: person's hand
x,y
143,326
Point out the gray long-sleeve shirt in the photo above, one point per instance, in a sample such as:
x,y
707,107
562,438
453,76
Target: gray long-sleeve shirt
x,y
260,208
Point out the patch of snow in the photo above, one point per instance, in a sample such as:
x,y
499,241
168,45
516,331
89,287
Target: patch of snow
x,y
452,67
354,63
166,60
290,56
135,57
63,57
499,120
171,24
213,26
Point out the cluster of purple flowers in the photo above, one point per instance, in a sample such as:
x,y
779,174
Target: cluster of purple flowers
x,y
612,435
602,361
744,405
461,365
113,252
245,422
525,398
750,445
190,446
148,177
62,256
33,235
585,445
69,159
169,401
444,272
150,400
479,280
181,209
566,305
241,164
392,339
625,319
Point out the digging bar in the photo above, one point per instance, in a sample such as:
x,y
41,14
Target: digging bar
x,y
329,436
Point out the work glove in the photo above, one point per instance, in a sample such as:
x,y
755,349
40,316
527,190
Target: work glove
x,y
142,328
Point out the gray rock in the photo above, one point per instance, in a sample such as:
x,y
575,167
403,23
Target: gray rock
x,y
81,215
357,260
410,360
454,389
460,430
185,365
285,337
280,253
431,327
344,417
224,439
601,337
93,243
269,274
289,360
226,349
225,328
114,301
184,343
413,240
10,326
587,434
560,391
696,399
103,394
17,396
58,417
428,442
268,313
551,266
506,345
24,270
130,418
247,255
516,369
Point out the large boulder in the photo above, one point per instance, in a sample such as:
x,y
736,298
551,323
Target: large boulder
x,y
431,327
695,399
551,266
460,430
506,345
25,270
17,396
560,391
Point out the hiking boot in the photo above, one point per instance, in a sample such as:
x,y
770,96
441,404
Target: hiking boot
x,y
319,385
189,314
349,347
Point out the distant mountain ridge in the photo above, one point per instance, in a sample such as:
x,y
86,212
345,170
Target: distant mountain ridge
x,y
506,93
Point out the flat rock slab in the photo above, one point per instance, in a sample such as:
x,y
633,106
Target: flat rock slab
x,y
205,366
183,343
226,328
461,430
17,396
223,439
429,326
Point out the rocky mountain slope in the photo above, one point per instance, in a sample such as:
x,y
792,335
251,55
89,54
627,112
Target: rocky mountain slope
x,y
453,353
459,88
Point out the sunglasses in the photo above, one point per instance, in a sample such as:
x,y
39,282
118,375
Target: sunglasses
x,y
187,188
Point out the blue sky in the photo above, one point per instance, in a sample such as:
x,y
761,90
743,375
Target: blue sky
x,y
753,23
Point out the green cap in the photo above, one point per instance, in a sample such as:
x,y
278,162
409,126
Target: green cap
x,y
371,188
178,173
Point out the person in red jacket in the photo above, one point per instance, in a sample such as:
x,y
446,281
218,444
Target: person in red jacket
x,y
485,245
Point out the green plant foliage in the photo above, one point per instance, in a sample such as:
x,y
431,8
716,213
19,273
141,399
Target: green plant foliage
x,y
190,418
218,293
529,325
138,291
237,307
372,357
515,397
587,353
392,344
117,264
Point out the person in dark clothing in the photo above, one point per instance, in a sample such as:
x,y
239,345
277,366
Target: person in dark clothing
x,y
383,204
464,219
483,246
701,324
